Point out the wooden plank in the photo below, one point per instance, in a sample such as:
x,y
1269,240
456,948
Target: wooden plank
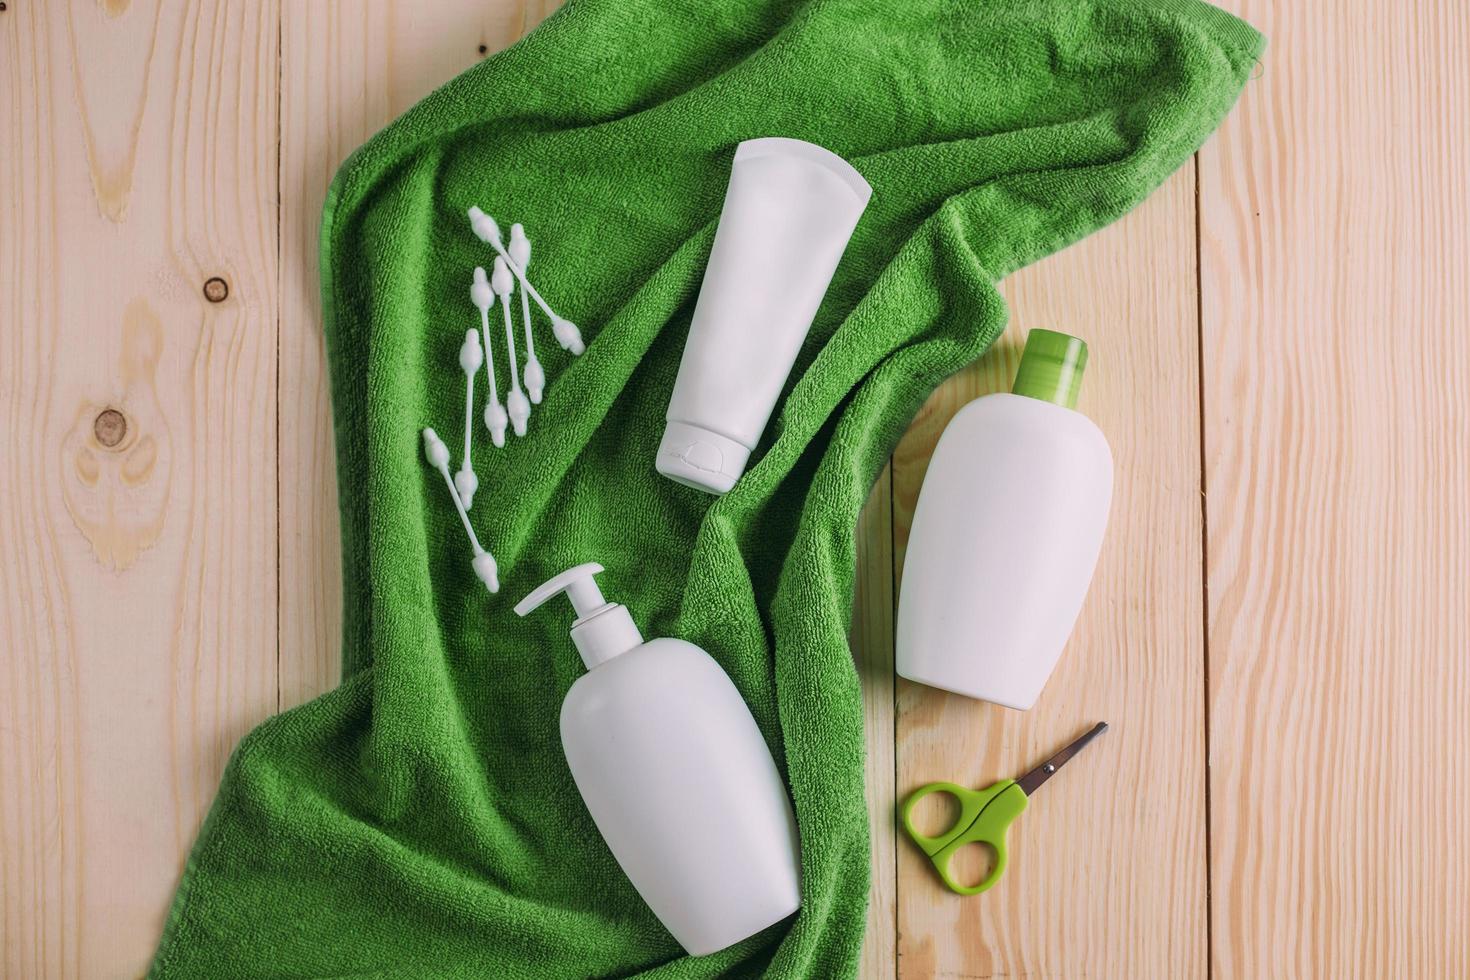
x,y
137,456
1336,342
1107,870
872,643
347,70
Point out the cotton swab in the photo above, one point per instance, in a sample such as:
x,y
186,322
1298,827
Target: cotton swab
x,y
520,409
488,231
482,297
520,254
484,563
470,359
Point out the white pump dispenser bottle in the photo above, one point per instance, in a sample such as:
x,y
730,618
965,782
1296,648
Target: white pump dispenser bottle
x,y
676,775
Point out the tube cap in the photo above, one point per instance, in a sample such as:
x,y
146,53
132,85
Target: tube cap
x,y
700,458
1051,368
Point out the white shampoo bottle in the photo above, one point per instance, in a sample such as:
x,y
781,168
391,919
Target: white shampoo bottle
x,y
1006,534
676,775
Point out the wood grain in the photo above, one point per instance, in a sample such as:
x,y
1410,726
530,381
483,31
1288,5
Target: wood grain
x,y
1336,340
137,555
1107,869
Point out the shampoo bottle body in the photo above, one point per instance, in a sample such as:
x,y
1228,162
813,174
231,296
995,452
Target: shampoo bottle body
x,y
1005,537
682,788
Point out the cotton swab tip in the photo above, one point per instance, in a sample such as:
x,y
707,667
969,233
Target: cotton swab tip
x,y
480,291
520,410
495,421
465,484
486,571
471,354
501,280
535,379
568,335
520,246
434,449
483,226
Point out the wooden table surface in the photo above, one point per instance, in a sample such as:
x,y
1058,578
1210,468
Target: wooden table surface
x,y
1279,630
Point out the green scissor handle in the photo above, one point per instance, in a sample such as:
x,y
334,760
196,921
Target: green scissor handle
x,y
985,816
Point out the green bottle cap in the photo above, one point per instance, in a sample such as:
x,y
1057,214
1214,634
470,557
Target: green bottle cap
x,y
1051,368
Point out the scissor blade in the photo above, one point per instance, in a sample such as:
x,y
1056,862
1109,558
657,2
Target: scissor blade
x,y
1033,779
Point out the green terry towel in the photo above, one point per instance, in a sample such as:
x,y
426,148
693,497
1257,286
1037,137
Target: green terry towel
x,y
420,821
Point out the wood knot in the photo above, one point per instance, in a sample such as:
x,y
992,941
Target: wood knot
x,y
118,454
110,427
216,289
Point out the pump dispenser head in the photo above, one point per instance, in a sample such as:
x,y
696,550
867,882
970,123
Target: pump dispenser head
x,y
602,629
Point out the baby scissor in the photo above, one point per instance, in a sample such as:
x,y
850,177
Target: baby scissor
x,y
985,815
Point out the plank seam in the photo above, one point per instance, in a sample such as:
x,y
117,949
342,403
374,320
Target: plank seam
x,y
893,696
1204,576
280,323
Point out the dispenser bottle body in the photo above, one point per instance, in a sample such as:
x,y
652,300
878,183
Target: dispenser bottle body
x,y
682,787
1005,537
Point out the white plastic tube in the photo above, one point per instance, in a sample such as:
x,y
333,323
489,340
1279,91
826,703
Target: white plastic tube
x,y
789,211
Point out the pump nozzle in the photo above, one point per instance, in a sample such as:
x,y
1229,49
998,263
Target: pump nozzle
x,y
602,629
